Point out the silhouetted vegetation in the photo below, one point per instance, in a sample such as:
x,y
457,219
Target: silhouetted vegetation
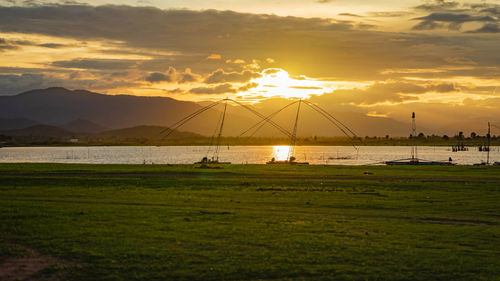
x,y
193,139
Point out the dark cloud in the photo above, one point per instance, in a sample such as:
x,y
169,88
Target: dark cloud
x,y
452,17
358,97
15,84
198,64
156,77
100,64
188,77
340,51
221,89
169,76
247,87
13,44
53,45
11,84
219,76
192,34
443,88
350,15
17,70
427,25
454,20
493,10
487,28
491,72
379,92
175,91
35,3
23,42
148,26
438,5
11,2
172,75
5,45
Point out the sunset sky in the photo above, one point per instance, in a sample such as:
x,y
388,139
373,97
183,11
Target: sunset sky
x,y
380,58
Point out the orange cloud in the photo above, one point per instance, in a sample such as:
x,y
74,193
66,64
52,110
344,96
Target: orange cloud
x,y
214,57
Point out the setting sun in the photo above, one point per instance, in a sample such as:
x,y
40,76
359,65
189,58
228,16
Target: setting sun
x,y
276,82
281,152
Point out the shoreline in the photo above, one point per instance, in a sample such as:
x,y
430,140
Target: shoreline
x,y
235,145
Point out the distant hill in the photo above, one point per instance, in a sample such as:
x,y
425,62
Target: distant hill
x,y
40,131
83,126
15,123
59,105
149,132
94,112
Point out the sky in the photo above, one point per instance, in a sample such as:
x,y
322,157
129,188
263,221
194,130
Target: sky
x,y
381,58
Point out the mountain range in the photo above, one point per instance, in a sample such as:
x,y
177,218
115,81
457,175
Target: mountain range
x,y
81,111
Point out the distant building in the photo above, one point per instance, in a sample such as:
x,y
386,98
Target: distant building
x,y
74,140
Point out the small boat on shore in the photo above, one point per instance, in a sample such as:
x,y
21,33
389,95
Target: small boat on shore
x,y
206,160
416,161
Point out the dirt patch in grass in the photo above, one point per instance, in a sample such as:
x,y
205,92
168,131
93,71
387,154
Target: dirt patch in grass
x,y
31,265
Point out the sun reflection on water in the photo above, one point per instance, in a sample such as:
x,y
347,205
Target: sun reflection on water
x,y
280,152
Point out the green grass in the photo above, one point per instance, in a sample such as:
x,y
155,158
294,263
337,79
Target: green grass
x,y
255,222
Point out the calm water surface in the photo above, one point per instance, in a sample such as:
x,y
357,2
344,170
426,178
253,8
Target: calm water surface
x,y
237,154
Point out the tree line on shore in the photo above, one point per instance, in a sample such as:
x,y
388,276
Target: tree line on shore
x,y
460,139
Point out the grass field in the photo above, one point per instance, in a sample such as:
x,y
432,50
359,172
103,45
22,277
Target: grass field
x,y
250,222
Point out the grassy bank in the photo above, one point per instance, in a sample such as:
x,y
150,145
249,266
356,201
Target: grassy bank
x,y
253,222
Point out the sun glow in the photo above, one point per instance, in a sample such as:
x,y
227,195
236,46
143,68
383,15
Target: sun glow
x,y
276,82
280,152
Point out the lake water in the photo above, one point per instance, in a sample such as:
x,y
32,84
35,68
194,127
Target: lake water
x,y
365,155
